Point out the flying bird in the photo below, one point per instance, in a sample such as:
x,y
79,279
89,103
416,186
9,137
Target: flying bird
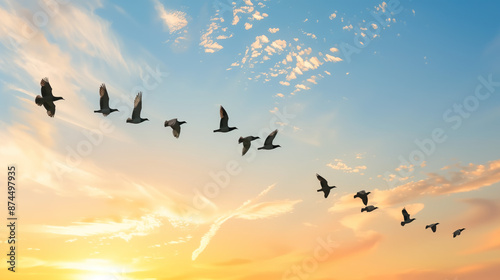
x,y
224,118
104,102
175,125
363,195
136,113
268,144
432,226
47,99
457,232
324,185
369,208
246,143
406,217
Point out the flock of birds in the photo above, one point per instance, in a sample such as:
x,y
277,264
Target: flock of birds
x,y
47,100
363,195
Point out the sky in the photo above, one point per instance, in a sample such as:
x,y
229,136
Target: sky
x,y
398,98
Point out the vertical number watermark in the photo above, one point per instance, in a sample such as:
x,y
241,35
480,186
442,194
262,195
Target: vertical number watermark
x,y
11,217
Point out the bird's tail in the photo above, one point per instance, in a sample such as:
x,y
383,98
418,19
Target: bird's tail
x,y
39,100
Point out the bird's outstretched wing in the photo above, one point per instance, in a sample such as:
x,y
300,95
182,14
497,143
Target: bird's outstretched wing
x,y
406,216
433,228
270,138
136,113
170,122
364,199
327,192
224,118
176,128
246,147
46,88
104,101
50,107
324,183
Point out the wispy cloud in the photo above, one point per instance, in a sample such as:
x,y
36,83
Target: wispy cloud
x,y
219,29
466,178
339,164
125,229
267,209
207,40
248,211
174,20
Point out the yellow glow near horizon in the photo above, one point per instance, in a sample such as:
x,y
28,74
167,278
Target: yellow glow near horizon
x,y
104,276
99,269
100,277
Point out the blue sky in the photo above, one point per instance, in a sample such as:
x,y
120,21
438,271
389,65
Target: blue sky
x,y
282,65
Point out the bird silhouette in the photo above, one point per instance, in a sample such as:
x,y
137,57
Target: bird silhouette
x,y
136,113
363,195
104,102
369,208
246,143
224,118
432,226
458,232
47,99
406,217
324,185
175,125
268,144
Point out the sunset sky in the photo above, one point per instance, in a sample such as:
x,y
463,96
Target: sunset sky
x,y
399,98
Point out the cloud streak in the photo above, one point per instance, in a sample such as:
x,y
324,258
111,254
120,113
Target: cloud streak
x,y
175,20
249,212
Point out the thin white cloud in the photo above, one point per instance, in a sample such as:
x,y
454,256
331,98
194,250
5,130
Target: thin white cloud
x,y
206,39
267,209
174,20
466,178
125,229
249,211
302,87
236,19
348,27
338,164
332,58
